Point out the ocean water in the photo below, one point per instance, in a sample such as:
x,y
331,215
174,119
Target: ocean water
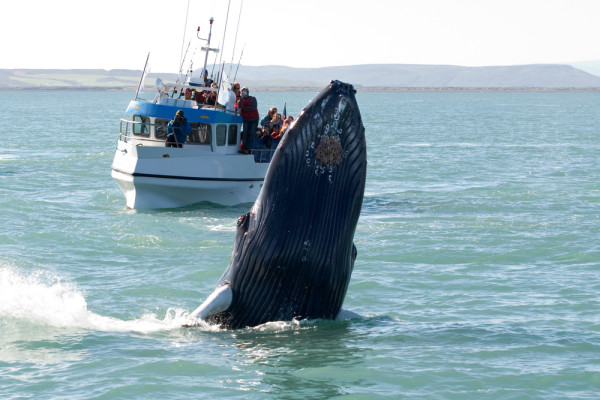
x,y
477,274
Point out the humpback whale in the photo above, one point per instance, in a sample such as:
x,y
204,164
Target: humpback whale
x,y
293,253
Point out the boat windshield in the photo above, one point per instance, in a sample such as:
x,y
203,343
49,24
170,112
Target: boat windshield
x,y
141,126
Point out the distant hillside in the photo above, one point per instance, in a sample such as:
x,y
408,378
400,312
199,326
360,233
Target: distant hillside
x,y
365,76
423,76
68,78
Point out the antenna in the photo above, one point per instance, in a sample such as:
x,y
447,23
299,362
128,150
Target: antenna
x,y
224,33
144,73
240,60
182,62
235,40
181,56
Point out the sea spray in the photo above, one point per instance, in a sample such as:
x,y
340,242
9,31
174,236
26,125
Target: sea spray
x,y
42,298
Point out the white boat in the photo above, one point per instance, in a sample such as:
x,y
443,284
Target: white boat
x,y
208,168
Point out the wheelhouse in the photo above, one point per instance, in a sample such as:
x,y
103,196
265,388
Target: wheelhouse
x,y
152,131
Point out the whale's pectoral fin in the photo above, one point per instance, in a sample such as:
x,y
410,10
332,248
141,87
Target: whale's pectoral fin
x,y
219,300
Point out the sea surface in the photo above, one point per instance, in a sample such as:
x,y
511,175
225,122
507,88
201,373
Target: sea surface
x,y
477,277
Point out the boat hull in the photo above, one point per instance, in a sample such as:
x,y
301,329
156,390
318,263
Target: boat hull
x,y
151,192
157,177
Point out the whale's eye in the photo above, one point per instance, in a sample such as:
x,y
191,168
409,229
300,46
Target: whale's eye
x,y
329,151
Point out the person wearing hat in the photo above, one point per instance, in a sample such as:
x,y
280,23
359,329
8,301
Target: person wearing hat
x,y
248,108
177,130
270,114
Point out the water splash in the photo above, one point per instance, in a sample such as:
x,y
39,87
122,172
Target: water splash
x,y
42,298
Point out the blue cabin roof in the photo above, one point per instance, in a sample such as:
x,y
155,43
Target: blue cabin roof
x,y
202,115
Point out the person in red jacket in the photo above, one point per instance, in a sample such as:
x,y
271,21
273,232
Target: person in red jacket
x,y
248,108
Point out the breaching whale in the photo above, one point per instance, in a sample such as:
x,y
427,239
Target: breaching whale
x,y
293,253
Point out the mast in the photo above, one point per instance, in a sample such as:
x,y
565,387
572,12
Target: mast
x,y
207,48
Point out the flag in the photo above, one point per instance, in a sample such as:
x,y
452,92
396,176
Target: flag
x,y
223,98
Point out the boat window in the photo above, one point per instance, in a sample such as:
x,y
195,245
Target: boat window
x,y
221,135
160,128
232,135
142,125
200,133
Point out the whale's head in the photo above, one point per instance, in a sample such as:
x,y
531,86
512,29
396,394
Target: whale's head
x,y
293,253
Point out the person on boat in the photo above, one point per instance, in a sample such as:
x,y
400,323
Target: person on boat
x,y
191,94
286,125
276,125
231,104
201,97
205,78
265,121
236,90
211,98
248,108
271,122
177,130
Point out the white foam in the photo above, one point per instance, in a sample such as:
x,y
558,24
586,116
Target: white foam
x,y
42,298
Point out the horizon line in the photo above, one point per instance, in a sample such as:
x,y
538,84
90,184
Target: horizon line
x,y
322,67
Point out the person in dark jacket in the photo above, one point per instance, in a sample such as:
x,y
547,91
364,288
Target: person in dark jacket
x,y
248,108
177,130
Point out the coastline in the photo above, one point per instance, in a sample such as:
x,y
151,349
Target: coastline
x,y
365,78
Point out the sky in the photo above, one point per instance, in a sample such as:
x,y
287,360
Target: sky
x,y
118,34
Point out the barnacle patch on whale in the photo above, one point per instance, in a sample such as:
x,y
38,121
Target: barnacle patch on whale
x,y
329,151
